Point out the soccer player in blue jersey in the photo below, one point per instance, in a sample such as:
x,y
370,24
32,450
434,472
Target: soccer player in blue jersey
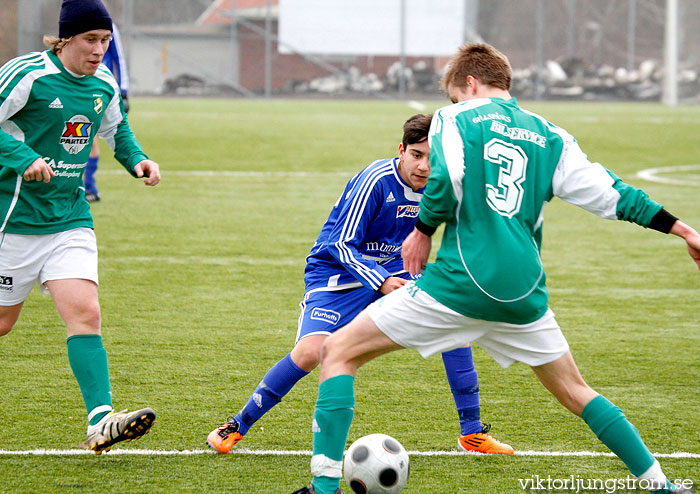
x,y
115,60
355,261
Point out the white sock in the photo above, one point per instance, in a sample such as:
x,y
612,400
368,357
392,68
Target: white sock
x,y
654,477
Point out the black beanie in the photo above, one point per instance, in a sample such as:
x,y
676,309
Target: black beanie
x,y
80,16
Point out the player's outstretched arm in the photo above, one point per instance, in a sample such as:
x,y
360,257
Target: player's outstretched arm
x,y
150,170
691,237
39,170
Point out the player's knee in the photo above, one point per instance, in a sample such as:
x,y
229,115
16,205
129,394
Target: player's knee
x,y
5,327
308,358
88,320
330,350
323,355
7,322
576,396
92,318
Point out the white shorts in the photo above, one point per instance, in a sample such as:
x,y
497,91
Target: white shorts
x,y
29,259
420,322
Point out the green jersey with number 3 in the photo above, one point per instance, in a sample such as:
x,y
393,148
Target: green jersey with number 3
x,y
494,166
47,112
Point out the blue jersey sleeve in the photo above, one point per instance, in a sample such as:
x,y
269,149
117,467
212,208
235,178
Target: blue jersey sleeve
x,y
115,60
358,207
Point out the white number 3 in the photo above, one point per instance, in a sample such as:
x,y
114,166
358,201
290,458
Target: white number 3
x,y
507,196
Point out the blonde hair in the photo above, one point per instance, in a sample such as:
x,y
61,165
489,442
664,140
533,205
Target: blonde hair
x,y
54,43
481,61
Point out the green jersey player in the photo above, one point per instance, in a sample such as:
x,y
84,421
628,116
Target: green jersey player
x,y
494,165
53,104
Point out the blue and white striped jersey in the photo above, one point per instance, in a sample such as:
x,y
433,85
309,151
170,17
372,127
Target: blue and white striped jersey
x,y
361,240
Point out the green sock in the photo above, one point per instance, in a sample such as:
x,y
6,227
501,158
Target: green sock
x,y
612,427
332,418
88,359
326,485
666,490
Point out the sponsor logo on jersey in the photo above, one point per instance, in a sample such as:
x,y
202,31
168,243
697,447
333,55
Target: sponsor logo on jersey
x,y
382,248
327,315
63,169
407,211
390,197
518,134
6,283
56,104
99,105
491,116
76,134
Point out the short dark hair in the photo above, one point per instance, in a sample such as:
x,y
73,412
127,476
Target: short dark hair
x,y
481,61
416,129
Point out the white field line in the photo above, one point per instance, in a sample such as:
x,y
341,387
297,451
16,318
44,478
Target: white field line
x,y
275,452
653,175
217,261
417,105
236,174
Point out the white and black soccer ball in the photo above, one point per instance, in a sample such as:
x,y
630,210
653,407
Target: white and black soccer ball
x,y
376,464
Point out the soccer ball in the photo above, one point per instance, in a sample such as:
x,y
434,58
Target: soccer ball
x,y
376,464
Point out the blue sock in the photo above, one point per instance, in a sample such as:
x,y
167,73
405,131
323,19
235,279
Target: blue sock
x,y
278,381
90,169
464,383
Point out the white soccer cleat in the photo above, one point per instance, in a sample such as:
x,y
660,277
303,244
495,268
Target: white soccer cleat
x,y
116,427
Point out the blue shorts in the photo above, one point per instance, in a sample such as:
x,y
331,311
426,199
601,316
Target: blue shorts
x,y
324,312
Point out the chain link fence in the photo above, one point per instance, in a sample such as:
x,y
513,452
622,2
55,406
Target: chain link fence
x,y
559,49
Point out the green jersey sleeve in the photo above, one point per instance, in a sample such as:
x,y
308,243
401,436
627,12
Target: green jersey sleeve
x,y
599,191
634,204
14,153
115,129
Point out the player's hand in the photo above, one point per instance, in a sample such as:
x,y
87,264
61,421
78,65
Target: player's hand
x,y
39,171
693,242
415,251
150,170
392,283
691,237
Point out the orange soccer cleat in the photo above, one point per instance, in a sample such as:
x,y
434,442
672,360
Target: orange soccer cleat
x,y
481,442
225,437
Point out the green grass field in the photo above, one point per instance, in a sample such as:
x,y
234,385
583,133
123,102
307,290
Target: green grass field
x,y
201,279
